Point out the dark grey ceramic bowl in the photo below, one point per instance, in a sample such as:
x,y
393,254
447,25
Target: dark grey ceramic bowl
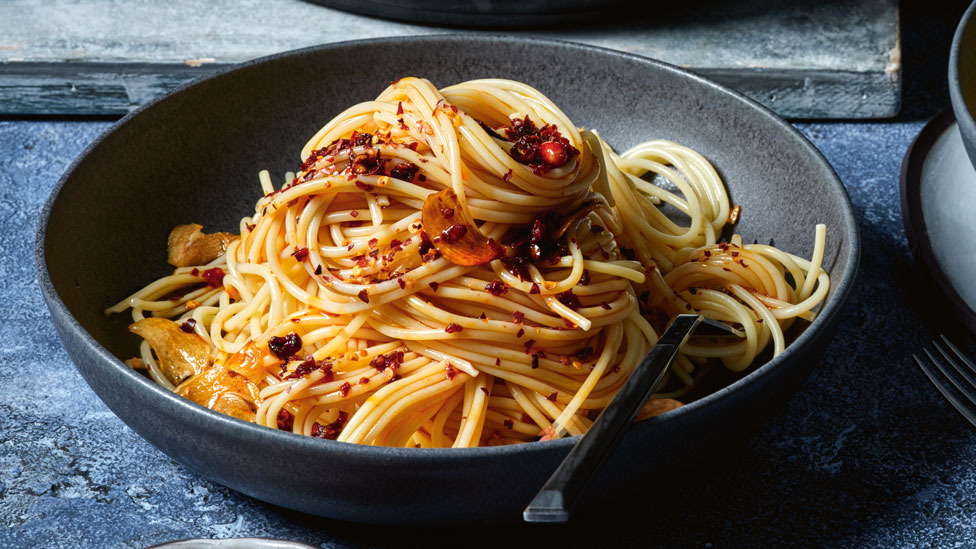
x,y
962,79
194,156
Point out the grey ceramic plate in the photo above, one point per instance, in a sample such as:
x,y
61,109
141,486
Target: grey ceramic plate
x,y
194,156
938,197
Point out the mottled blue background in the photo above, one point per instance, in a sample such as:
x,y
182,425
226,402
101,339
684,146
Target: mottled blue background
x,y
866,454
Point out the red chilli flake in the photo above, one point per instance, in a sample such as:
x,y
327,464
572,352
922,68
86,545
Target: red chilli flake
x,y
402,283
518,317
553,153
286,420
305,367
214,277
454,233
552,397
434,286
318,270
344,389
520,333
508,175
535,361
453,327
540,148
399,108
364,295
569,299
509,424
451,371
534,289
404,171
286,346
498,362
363,380
332,430
301,254
528,345
189,325
195,271
447,212
496,288
354,213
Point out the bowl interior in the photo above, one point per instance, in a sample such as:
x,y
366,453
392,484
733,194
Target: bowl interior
x,y
194,157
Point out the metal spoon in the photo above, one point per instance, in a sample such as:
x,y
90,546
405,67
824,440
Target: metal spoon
x,y
554,501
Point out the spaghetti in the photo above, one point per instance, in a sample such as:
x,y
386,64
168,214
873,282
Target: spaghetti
x,y
458,268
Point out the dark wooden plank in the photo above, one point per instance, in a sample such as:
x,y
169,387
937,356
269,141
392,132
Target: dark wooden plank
x,y
804,60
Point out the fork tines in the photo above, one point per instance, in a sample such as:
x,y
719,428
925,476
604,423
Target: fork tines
x,y
944,366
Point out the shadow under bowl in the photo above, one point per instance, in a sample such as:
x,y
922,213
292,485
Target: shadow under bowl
x,y
193,156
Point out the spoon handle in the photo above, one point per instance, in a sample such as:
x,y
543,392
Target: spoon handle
x,y
553,502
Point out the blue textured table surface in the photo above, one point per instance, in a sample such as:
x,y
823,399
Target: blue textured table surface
x,y
866,454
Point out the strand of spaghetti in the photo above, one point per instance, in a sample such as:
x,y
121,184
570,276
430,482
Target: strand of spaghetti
x,y
437,430
436,355
366,417
818,253
476,391
421,403
614,338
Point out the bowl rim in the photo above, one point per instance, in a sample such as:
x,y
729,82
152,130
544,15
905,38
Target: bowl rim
x,y
841,283
965,117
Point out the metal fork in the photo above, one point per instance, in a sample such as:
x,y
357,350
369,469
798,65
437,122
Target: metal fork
x,y
947,354
554,502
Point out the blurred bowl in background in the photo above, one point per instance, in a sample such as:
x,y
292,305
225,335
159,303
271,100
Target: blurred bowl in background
x,y
484,13
962,79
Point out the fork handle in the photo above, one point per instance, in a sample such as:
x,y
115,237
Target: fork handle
x,y
554,501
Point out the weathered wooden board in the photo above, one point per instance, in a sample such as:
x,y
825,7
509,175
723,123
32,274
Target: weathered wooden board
x,y
803,59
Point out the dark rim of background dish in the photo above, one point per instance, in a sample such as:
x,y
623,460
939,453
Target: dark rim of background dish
x,y
217,420
964,118
544,13
914,220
